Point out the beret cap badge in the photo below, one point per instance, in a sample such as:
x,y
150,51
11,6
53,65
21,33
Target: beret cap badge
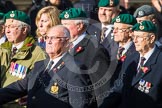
x,y
118,19
141,27
66,15
141,13
12,14
111,2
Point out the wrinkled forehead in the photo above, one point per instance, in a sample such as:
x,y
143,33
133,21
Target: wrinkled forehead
x,y
11,21
140,33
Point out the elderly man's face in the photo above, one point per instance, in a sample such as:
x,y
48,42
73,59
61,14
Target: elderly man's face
x,y
14,31
140,19
55,41
106,14
143,41
73,28
121,32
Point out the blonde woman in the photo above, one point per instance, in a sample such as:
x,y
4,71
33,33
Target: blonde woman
x,y
46,18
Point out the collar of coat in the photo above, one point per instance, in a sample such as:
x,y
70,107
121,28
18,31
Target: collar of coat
x,y
28,43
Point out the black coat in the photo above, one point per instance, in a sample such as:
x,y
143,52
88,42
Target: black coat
x,y
130,92
63,87
97,61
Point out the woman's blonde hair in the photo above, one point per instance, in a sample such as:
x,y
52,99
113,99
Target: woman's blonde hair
x,y
52,12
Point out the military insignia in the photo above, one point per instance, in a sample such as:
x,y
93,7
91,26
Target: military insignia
x,y
54,88
141,85
144,86
12,14
18,70
58,67
141,13
66,15
118,19
147,87
111,2
141,27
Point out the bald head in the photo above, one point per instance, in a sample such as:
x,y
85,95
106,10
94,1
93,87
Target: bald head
x,y
61,29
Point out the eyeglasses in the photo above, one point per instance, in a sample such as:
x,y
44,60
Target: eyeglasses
x,y
121,29
54,38
12,26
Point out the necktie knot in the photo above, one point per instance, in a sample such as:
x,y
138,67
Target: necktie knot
x,y
14,51
142,61
49,65
120,51
103,33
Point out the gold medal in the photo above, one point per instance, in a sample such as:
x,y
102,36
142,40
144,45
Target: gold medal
x,y
54,89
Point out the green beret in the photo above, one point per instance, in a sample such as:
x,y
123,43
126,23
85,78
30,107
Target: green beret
x,y
73,13
146,26
125,18
18,15
108,3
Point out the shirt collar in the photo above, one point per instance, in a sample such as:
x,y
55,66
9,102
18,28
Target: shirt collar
x,y
79,39
126,47
56,60
18,46
148,54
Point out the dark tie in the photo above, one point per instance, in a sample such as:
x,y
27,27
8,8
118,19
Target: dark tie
x,y
120,51
141,64
103,34
13,51
49,66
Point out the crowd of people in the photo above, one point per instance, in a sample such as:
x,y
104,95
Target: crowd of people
x,y
63,54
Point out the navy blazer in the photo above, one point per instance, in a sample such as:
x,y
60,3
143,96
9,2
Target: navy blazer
x,y
97,60
65,86
142,90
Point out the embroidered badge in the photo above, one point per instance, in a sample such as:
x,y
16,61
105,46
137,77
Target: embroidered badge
x,y
54,88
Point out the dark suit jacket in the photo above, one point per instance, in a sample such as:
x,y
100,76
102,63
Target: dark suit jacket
x,y
131,92
117,67
109,43
97,61
62,87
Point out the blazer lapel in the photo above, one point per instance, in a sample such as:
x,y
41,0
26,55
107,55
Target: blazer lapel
x,y
81,45
147,65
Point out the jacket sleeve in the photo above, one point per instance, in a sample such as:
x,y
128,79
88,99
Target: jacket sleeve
x,y
14,90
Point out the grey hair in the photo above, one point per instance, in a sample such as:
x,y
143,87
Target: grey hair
x,y
84,21
25,25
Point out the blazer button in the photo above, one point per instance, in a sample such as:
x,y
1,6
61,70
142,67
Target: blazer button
x,y
33,97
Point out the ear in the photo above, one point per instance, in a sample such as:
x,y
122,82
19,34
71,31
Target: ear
x,y
24,29
80,26
152,38
130,33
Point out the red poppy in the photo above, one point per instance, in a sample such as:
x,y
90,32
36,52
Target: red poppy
x,y
122,58
29,44
79,49
145,69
